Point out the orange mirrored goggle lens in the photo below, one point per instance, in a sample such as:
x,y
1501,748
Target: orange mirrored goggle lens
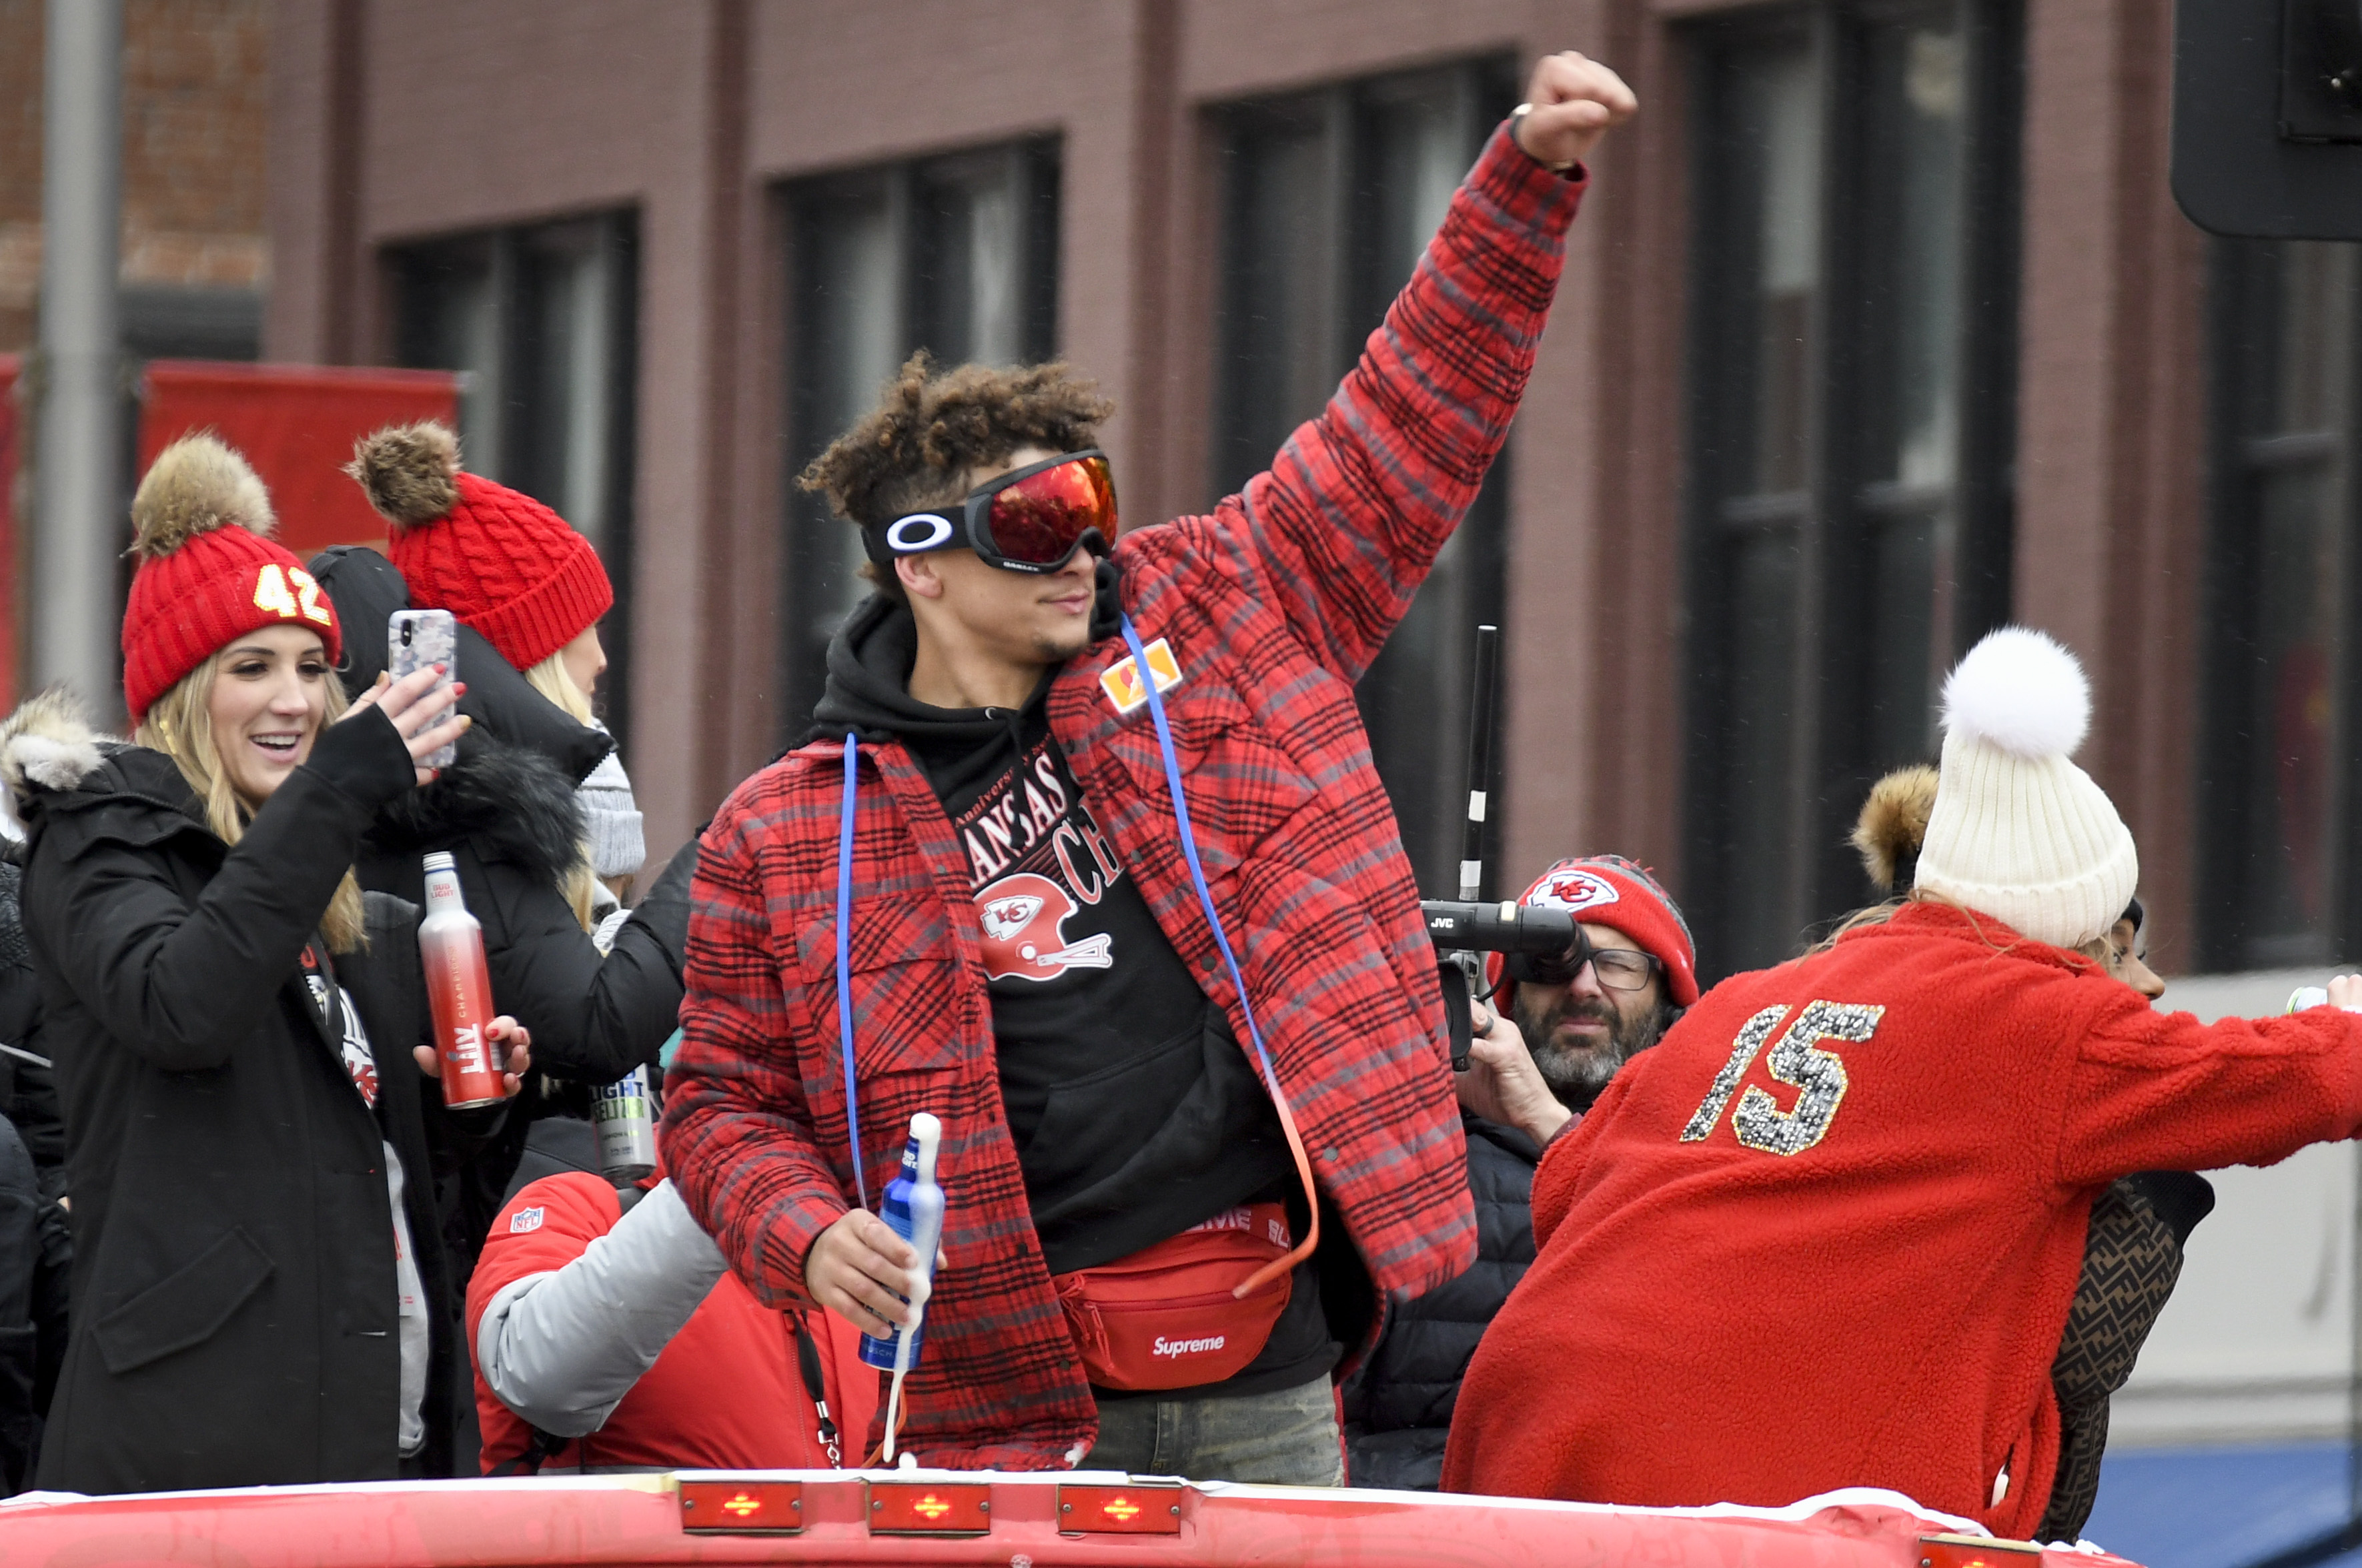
x,y
1039,518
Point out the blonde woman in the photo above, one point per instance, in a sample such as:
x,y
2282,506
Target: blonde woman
x,y
531,848
257,1294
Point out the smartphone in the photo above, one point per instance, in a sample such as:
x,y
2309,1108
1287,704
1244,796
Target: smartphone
x,y
415,639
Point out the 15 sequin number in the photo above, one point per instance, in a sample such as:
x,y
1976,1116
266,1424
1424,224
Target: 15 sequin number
x,y
1818,1075
272,593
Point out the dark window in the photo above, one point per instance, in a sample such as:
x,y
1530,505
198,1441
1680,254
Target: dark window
x,y
2277,883
540,322
1854,329
1329,198
955,254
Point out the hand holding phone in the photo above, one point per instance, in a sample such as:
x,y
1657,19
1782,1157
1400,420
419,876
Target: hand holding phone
x,y
415,639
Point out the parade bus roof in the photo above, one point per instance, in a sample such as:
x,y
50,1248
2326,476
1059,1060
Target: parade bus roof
x,y
965,1518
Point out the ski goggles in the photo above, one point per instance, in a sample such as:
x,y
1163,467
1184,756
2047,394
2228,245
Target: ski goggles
x,y
1030,519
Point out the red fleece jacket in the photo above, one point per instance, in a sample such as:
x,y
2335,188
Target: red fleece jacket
x,y
1826,1232
725,1394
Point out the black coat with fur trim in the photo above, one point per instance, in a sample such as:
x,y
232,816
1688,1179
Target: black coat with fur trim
x,y
509,819
234,1320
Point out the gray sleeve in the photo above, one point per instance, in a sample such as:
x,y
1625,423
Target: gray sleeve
x,y
562,1349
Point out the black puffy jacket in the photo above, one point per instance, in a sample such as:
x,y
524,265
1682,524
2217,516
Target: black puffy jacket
x,y
1399,1402
34,1258
233,1266
29,1089
506,812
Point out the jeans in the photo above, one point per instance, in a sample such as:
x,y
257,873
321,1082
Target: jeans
x,y
1289,1438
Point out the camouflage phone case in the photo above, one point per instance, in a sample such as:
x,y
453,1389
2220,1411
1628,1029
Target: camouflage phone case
x,y
415,639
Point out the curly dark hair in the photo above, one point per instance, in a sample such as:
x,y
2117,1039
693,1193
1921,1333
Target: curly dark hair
x,y
931,427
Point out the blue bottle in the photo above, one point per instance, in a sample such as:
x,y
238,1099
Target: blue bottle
x,y
914,1208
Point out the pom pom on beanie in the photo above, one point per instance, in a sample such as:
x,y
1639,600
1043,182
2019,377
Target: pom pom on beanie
x,y
209,570
2018,830
495,557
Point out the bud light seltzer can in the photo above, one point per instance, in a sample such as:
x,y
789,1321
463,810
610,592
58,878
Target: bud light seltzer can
x,y
458,991
627,1127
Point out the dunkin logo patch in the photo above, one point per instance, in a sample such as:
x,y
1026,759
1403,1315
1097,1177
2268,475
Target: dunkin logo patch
x,y
524,1219
1121,681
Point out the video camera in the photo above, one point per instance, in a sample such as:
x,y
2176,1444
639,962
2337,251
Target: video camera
x,y
1463,931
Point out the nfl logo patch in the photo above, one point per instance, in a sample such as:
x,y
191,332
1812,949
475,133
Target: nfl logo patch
x,y
524,1219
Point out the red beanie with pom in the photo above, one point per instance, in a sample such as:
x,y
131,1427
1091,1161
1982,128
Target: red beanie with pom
x,y
1609,890
495,557
209,570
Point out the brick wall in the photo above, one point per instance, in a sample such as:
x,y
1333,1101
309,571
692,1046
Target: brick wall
x,y
194,79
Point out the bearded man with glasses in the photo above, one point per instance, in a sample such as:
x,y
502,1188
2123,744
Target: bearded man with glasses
x,y
1084,856
1557,1028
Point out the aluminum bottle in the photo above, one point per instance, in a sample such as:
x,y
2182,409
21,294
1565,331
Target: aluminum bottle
x,y
627,1127
458,991
914,1208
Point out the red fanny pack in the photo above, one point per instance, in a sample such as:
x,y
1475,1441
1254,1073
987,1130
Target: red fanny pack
x,y
1171,1316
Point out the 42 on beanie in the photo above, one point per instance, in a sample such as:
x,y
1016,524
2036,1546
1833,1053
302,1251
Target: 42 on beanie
x,y
2018,832
209,570
495,557
1609,890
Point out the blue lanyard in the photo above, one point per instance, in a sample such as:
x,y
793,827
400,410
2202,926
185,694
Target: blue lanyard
x,y
1189,844
845,960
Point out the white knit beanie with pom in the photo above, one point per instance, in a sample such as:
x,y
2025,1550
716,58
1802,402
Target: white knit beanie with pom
x,y
2018,831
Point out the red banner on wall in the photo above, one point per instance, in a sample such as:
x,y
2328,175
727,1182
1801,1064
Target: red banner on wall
x,y
297,424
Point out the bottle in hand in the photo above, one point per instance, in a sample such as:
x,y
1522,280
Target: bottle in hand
x,y
624,1114
458,991
914,1208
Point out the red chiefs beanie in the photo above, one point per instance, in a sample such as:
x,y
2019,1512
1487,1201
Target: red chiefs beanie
x,y
209,570
1609,890
495,557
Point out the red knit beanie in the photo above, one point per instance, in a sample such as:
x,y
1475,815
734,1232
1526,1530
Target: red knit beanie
x,y
209,571
1609,890
495,557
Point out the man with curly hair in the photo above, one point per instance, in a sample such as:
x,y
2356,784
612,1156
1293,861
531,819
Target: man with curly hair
x,y
1197,1124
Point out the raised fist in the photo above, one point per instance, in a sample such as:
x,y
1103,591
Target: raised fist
x,y
1575,99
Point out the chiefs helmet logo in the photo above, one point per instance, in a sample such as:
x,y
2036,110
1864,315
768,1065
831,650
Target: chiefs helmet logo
x,y
1573,891
1024,919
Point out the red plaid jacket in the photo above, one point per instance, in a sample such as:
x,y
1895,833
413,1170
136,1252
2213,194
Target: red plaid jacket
x,y
1273,606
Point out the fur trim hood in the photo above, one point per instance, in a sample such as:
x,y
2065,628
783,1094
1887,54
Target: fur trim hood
x,y
511,802
49,744
1894,825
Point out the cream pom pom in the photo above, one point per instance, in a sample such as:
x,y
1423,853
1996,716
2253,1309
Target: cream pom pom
x,y
2021,691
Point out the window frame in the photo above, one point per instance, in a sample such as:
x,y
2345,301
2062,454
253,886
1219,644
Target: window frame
x,y
1350,292
2242,457
1829,765
500,435
812,539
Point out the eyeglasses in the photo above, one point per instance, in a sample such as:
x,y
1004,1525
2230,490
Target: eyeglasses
x,y
1032,519
1618,969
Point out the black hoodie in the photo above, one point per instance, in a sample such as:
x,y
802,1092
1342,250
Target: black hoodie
x,y
1133,1109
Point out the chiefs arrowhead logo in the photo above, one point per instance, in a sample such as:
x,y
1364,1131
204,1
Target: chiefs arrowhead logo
x,y
1573,891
